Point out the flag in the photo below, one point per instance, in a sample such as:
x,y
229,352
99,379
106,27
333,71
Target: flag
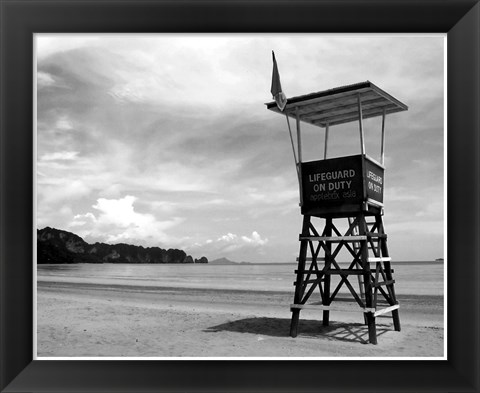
x,y
276,88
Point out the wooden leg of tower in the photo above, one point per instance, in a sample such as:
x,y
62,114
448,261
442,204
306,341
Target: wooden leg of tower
x,y
372,328
356,248
327,277
326,318
294,322
367,281
395,314
299,282
396,320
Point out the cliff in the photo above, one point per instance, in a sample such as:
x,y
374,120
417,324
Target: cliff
x,y
57,246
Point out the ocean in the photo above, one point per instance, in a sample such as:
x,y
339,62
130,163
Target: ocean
x,y
419,278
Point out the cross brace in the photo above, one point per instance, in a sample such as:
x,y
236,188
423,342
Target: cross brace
x,y
366,245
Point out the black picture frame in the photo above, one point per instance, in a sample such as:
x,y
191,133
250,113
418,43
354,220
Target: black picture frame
x,y
20,19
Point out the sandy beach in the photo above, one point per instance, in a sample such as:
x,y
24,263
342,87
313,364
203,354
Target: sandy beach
x,y
97,320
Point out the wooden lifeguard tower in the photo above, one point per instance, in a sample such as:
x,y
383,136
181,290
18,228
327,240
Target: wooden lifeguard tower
x,y
343,190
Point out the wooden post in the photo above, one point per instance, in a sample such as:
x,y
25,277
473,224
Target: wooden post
x,y
299,147
383,137
357,248
360,123
326,142
299,137
327,277
297,166
299,283
291,140
367,280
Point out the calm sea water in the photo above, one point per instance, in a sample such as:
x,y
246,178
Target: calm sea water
x,y
423,278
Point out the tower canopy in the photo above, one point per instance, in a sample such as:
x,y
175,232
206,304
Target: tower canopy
x,y
340,105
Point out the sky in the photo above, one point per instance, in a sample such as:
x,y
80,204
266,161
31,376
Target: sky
x,y
165,140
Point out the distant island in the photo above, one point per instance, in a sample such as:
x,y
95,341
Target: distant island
x,y
226,261
60,247
222,261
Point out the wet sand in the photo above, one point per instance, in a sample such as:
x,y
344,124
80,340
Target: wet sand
x,y
98,320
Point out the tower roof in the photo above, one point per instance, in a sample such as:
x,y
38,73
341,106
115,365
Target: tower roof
x,y
340,105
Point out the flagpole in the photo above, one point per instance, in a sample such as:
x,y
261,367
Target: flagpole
x,y
281,100
293,147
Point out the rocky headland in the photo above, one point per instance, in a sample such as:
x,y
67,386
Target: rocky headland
x,y
57,246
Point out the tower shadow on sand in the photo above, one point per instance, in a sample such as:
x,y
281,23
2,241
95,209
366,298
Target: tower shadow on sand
x,y
280,327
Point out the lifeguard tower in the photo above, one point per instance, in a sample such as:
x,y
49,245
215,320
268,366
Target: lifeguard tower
x,y
344,191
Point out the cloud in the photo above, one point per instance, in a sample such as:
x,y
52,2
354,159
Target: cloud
x,y
256,239
54,190
176,176
62,156
179,120
125,93
231,242
44,79
82,219
49,44
228,238
117,221
64,124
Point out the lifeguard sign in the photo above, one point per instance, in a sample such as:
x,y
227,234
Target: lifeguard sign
x,y
349,183
341,184
343,187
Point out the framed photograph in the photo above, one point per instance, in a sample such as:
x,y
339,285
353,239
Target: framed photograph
x,y
150,207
